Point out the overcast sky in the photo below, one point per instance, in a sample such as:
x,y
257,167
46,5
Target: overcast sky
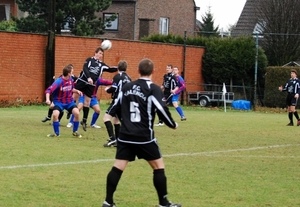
x,y
225,12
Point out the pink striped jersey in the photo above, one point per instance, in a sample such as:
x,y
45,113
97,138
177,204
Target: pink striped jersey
x,y
61,90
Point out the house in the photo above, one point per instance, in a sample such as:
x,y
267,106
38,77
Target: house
x,y
8,7
139,18
247,23
292,63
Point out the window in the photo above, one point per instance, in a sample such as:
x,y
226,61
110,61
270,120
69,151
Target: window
x,y
164,26
4,12
109,24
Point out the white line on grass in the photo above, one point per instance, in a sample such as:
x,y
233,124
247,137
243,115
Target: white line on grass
x,y
56,164
232,150
211,153
253,156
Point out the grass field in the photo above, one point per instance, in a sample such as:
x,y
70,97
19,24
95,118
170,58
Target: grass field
x,y
214,159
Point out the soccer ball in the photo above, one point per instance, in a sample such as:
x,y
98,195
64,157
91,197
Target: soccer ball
x,y
106,45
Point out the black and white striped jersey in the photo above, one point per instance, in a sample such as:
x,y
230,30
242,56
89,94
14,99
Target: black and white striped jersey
x,y
118,81
136,106
169,83
292,86
93,68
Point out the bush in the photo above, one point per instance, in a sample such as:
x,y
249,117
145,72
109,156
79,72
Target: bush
x,y
8,26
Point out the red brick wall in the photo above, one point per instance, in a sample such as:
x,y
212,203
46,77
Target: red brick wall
x,y
22,62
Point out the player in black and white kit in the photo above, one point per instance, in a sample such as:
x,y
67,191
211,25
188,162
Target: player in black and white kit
x,y
169,86
292,87
93,68
118,82
136,106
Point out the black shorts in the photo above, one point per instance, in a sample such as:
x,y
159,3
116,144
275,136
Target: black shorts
x,y
108,111
291,100
85,88
127,151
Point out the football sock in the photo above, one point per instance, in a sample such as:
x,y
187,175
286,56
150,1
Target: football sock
x,y
112,181
85,113
160,184
117,129
56,127
94,118
50,112
180,112
72,119
75,126
109,128
60,115
291,117
296,115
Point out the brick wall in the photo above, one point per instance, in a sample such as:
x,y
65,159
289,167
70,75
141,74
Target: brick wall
x,y
22,62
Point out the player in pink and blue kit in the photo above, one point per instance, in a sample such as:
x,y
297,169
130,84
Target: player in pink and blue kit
x,y
181,87
62,92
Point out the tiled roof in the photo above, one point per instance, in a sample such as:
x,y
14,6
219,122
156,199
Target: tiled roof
x,y
247,20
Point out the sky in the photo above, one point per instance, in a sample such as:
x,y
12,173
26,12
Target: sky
x,y
225,12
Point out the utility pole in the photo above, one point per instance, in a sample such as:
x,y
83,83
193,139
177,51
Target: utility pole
x,y
183,67
50,50
255,71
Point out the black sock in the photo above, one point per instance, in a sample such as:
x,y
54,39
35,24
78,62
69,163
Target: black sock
x,y
109,128
50,112
60,115
85,113
112,181
160,184
291,117
296,115
117,130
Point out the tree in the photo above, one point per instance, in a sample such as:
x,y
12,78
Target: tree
x,y
278,21
79,15
207,25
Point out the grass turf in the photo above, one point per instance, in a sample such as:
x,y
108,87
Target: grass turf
x,y
237,158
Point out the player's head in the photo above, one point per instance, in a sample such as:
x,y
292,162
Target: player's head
x,y
99,53
67,70
293,73
146,67
169,68
122,65
175,70
71,66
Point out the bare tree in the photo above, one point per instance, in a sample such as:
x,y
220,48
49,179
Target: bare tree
x,y
279,22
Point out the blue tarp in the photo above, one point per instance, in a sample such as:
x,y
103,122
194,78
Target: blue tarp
x,y
241,104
